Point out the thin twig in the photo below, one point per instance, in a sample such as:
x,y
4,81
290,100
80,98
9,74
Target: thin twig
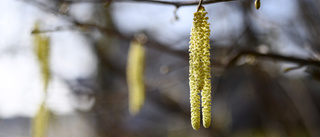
x,y
199,5
166,49
299,61
175,3
150,43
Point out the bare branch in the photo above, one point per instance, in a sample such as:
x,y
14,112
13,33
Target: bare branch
x,y
175,3
166,49
199,5
299,61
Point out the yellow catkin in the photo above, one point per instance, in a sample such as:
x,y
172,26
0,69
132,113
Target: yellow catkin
x,y
135,76
42,51
40,122
206,91
199,77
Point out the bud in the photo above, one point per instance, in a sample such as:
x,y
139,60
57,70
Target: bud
x,y
257,4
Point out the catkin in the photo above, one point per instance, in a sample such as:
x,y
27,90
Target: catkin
x,y
40,122
199,71
135,76
42,51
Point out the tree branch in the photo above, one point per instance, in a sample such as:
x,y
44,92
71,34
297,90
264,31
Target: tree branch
x,y
175,3
299,61
166,49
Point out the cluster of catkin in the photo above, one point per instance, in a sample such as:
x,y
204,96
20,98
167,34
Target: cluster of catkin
x,y
199,71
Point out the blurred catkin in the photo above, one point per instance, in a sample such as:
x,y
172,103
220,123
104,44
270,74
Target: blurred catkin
x,y
135,76
42,51
199,71
40,122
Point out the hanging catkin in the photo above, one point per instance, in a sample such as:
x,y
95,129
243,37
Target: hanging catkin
x,y
200,77
40,122
42,51
135,76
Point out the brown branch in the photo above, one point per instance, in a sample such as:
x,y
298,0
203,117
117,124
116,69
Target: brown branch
x,y
299,61
151,43
199,5
175,3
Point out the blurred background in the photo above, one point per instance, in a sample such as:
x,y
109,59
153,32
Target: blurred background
x,y
265,68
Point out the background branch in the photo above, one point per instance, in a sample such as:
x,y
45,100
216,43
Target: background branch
x,y
175,3
299,61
